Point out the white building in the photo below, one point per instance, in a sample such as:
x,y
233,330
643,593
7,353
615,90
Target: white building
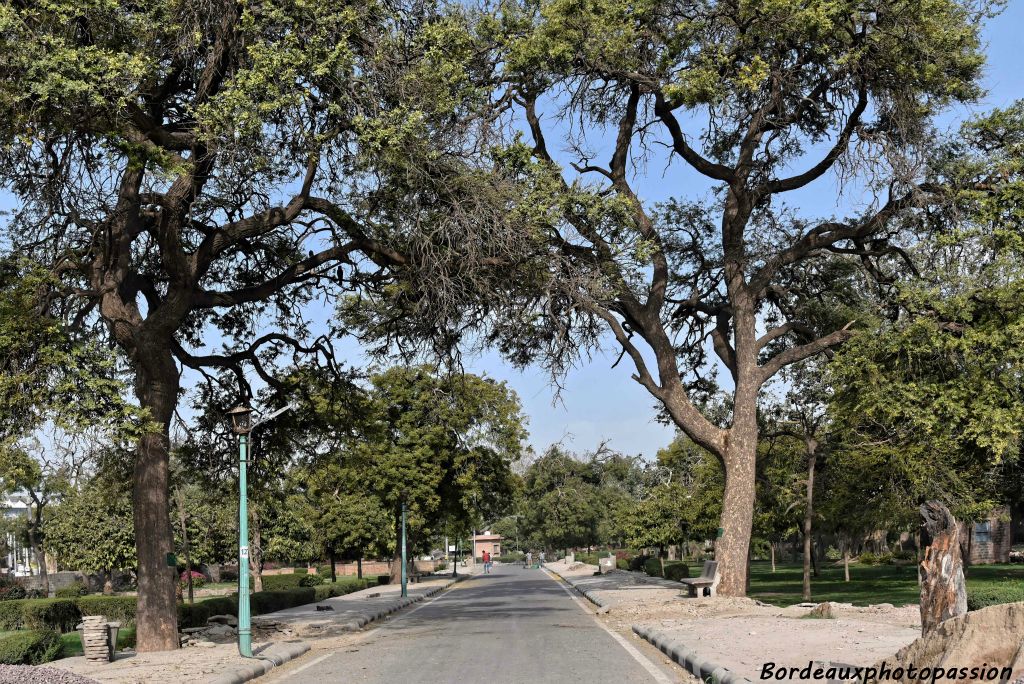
x,y
20,560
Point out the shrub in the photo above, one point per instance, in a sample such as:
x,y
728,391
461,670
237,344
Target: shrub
x,y
228,576
833,554
905,555
622,563
222,605
1007,591
281,582
60,615
272,601
652,566
10,615
636,563
511,557
72,591
324,571
676,570
301,571
193,614
310,580
32,647
114,608
886,558
11,590
867,558
339,588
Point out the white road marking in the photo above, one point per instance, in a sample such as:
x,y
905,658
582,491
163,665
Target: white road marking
x,y
639,657
311,663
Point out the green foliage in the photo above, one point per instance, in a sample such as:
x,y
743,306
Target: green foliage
x,y
92,529
652,566
270,601
222,605
676,570
562,503
113,608
10,615
281,582
11,590
193,614
340,588
31,647
311,580
73,590
995,594
60,615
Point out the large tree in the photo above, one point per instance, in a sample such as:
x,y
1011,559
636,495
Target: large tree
x,y
753,101
198,172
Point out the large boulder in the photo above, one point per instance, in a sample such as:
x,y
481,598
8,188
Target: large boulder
x,y
990,637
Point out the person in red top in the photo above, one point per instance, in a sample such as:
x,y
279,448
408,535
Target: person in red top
x,y
487,562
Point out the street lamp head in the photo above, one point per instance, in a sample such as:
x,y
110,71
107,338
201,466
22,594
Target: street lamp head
x,y
241,417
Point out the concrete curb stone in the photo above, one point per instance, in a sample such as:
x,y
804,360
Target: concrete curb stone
x,y
589,595
289,651
688,658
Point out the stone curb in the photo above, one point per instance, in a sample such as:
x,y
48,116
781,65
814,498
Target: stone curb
x,y
589,595
702,669
261,665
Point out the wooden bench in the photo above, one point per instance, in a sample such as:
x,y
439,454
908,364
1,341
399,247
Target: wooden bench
x,y
708,578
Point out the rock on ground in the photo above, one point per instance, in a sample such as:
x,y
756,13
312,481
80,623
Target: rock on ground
x,y
31,674
992,636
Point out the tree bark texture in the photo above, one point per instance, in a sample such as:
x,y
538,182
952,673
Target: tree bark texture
x,y
256,548
157,390
812,458
732,549
943,588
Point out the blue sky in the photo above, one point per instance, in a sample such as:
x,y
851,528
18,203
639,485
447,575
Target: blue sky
x,y
600,403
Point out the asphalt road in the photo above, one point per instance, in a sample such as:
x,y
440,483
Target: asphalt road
x,y
511,626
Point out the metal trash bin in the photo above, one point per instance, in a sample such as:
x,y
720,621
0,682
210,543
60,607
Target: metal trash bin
x,y
112,631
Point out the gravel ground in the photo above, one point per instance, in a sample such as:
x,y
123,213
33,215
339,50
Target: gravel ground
x,y
30,674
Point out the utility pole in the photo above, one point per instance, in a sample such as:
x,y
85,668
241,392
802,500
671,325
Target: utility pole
x,y
405,579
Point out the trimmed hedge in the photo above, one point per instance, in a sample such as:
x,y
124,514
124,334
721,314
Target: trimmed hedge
x,y
339,588
71,591
31,647
272,601
306,580
674,570
60,615
281,582
995,594
114,608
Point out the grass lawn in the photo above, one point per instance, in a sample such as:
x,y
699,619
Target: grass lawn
x,y
73,643
895,584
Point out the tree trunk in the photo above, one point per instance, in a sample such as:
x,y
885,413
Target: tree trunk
x,y
812,458
359,566
35,524
108,582
396,558
772,547
180,500
732,549
334,570
943,588
157,390
846,562
256,548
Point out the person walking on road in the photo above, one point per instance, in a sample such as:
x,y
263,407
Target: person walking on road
x,y
540,556
487,562
529,559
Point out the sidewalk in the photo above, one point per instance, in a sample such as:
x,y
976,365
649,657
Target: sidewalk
x,y
741,634
273,633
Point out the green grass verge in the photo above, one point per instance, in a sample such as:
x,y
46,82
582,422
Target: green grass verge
x,y
869,584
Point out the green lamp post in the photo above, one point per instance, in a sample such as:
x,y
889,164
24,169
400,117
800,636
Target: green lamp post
x,y
405,578
241,423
